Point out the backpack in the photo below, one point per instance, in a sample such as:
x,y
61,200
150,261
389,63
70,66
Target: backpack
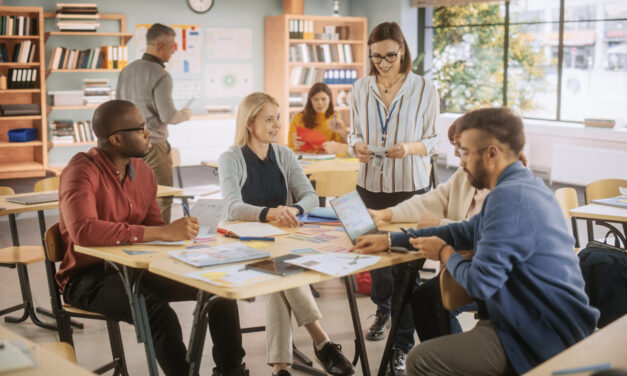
x,y
604,269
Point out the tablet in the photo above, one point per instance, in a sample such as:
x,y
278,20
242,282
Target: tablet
x,y
277,266
352,212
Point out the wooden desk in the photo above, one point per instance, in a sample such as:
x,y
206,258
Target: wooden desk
x,y
310,167
48,363
603,346
605,214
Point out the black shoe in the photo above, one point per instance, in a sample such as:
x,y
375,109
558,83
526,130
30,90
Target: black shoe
x,y
377,330
235,371
397,362
333,361
282,372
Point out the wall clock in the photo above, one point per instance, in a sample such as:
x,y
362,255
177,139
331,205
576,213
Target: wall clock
x,y
200,6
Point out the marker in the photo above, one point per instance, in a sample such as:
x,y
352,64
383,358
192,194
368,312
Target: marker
x,y
186,209
407,232
256,238
593,367
227,233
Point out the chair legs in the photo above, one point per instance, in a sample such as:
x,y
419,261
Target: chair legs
x,y
118,364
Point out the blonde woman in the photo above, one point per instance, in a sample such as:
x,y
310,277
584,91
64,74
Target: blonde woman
x,y
262,181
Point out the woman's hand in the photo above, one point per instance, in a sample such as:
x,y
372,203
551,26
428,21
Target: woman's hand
x,y
398,151
371,244
284,215
362,152
337,124
297,141
381,216
333,147
430,246
428,220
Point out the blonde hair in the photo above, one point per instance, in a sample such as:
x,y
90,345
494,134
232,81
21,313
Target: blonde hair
x,y
246,113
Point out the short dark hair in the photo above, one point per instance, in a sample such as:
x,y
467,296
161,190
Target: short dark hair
x,y
390,31
158,30
107,116
309,114
501,123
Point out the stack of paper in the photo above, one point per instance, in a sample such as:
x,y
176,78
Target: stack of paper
x,y
335,264
202,255
253,229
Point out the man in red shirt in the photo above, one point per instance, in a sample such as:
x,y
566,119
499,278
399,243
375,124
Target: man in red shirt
x,y
107,196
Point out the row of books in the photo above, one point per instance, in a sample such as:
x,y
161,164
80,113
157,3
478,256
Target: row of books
x,y
96,90
22,78
69,131
310,75
301,29
323,53
23,52
77,17
105,57
18,25
20,109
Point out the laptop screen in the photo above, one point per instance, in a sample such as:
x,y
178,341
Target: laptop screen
x,y
352,212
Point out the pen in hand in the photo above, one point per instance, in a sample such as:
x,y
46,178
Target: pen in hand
x,y
186,210
407,232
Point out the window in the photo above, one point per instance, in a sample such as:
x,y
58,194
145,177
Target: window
x,y
511,54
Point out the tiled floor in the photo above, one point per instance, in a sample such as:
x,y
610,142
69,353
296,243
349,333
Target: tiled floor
x,y
92,344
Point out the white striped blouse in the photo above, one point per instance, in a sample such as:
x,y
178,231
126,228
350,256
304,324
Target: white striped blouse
x,y
413,114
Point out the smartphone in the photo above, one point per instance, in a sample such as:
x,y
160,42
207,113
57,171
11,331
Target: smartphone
x,y
277,266
398,249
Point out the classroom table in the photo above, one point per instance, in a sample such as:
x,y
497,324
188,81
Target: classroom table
x,y
607,345
11,209
161,263
602,214
311,166
48,363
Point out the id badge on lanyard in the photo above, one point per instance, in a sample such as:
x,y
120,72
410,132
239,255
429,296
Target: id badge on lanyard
x,y
384,126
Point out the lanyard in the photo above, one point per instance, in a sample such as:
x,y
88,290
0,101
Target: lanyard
x,y
384,127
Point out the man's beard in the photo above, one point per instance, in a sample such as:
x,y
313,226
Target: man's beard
x,y
479,180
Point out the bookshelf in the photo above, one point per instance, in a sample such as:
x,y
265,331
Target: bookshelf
x,y
24,159
80,112
283,50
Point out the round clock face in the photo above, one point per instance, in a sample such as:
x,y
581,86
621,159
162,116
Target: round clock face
x,y
200,6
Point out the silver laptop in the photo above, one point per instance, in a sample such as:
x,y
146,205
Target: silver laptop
x,y
34,198
352,212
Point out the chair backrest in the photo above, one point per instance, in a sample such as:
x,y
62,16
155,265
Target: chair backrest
x,y
567,198
334,183
47,184
6,191
604,189
175,155
54,245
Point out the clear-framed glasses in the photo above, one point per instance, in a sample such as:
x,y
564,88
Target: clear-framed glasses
x,y
464,153
390,58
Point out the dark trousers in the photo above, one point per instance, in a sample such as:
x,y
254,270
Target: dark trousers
x,y
102,291
386,282
430,318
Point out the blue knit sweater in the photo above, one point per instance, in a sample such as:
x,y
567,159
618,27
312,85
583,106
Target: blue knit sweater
x,y
524,269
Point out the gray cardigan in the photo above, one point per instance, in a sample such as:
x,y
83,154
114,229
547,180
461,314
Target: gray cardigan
x,y
232,170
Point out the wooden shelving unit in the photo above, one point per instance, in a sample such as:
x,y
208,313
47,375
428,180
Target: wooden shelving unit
x,y
278,68
123,38
24,159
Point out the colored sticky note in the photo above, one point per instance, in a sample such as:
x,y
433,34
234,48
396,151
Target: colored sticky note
x,y
135,253
214,275
258,244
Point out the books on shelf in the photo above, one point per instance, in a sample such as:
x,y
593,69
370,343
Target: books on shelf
x,y
96,91
322,53
23,52
21,109
22,78
70,132
304,29
311,75
105,57
18,25
77,17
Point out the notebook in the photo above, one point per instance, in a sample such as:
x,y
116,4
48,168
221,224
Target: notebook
x,y
618,201
13,356
352,212
202,256
34,198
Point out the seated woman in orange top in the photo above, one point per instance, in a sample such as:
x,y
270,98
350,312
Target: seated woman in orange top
x,y
320,118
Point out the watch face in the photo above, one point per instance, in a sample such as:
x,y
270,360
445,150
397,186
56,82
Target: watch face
x,y
200,6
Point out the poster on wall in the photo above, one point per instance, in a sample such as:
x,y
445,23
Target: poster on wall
x,y
228,80
187,55
229,43
186,89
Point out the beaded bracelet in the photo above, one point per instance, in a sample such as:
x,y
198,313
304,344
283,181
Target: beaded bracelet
x,y
440,252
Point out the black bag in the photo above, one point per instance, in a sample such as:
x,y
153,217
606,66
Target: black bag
x,y
604,269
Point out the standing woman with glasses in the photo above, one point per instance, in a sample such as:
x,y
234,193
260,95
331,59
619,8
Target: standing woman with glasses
x,y
393,116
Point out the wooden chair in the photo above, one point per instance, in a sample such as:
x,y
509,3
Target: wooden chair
x,y
605,188
55,250
47,184
61,349
333,183
19,257
567,198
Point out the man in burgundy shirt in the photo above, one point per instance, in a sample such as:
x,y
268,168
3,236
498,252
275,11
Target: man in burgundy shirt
x,y
107,196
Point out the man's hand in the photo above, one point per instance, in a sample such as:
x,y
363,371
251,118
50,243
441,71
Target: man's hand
x,y
397,151
187,112
371,244
362,152
182,229
428,220
381,216
429,246
284,215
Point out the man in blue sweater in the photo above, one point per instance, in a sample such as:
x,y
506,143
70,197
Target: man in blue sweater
x,y
524,273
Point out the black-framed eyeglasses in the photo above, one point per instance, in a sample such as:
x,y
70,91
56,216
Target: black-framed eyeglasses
x,y
143,129
390,58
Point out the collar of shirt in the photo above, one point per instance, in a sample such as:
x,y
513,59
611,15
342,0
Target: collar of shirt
x,y
250,156
372,84
153,58
100,157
